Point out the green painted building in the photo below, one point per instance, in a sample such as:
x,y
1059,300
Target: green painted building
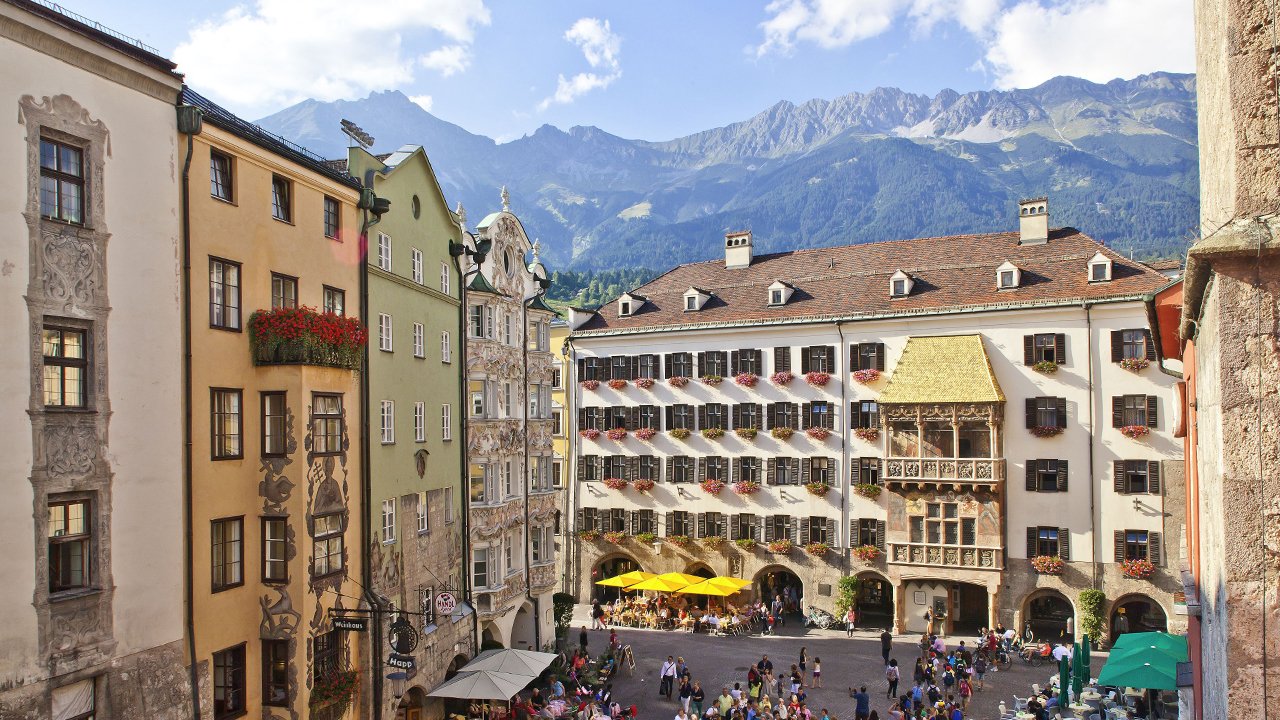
x,y
414,434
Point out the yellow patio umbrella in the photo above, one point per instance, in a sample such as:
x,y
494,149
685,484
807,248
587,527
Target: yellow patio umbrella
x,y
682,578
729,582
626,579
660,584
706,587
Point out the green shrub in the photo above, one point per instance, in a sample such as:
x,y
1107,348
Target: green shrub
x,y
846,594
1092,621
562,607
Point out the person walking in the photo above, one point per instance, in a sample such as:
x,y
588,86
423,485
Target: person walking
x,y
696,698
804,664
893,676
685,694
850,621
817,672
980,670
861,704
886,644
597,613
966,692
668,677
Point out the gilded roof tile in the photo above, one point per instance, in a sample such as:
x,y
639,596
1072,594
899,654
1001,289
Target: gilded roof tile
x,y
943,369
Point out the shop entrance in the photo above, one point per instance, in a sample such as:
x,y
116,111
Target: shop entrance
x,y
875,601
776,581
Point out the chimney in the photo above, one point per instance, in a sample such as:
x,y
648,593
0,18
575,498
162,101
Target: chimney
x,y
737,250
1033,221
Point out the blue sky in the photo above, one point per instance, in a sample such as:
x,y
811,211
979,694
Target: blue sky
x,y
652,69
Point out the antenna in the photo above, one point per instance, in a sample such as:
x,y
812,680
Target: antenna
x,y
357,134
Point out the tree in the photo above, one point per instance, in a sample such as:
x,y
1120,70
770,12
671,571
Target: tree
x,y
846,594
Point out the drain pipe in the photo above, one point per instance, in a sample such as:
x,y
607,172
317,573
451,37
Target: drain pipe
x,y
524,380
844,444
463,427
1093,491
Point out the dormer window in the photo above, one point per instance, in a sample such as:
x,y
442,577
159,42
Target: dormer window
x,y
1099,268
624,307
695,298
780,293
900,285
1008,276
775,297
691,302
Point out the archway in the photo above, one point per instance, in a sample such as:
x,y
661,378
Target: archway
x,y
1137,613
457,663
777,582
1050,616
875,601
945,606
491,637
412,705
522,632
609,567
701,570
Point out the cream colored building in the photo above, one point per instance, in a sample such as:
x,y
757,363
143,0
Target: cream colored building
x,y
92,522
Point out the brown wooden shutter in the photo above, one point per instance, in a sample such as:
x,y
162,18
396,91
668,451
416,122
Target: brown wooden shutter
x,y
702,525
1153,477
1150,344
806,471
580,524
768,529
770,472
855,356
635,367
582,470
633,417
1117,345
1032,467
1154,549
880,356
804,529
1064,544
633,468
880,525
701,369
735,358
1119,546
702,469
1117,411
669,523
1031,412
853,533
1028,349
737,415
831,358
671,469
734,523
795,416
759,415
1062,412
1117,476
804,420
669,412
667,363
1152,408
829,419
737,469
582,366
702,417
759,358
831,531
1060,348
855,417
804,360
769,420
755,526
781,359
1033,542
631,522
795,470
1062,476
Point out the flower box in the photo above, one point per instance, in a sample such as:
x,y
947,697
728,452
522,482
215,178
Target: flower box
x,y
617,383
646,538
306,336
1046,431
680,433
589,433
643,485
712,433
866,376
616,433
818,433
780,546
867,490
677,381
866,553
746,379
1137,569
644,383
782,377
335,690
646,433
615,483
680,541
1048,367
711,379
1135,364
714,541
817,488
817,548
746,433
746,487
589,535
817,378
782,433
1135,431
615,537
1048,564
711,487
590,384
868,434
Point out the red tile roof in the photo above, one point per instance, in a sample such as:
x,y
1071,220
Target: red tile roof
x,y
950,273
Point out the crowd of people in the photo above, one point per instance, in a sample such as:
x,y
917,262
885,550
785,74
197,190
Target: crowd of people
x,y
680,612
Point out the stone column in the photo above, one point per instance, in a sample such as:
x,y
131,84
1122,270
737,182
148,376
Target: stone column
x,y
993,606
899,608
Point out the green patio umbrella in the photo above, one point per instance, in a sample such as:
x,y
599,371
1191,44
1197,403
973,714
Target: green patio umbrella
x,y
1154,654
1083,659
1077,670
1152,639
1064,682
1144,670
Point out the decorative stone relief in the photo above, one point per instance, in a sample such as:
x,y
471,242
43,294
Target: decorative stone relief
x,y
73,270
70,450
279,619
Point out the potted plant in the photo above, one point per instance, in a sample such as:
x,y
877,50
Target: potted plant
x,y
643,485
616,434
1135,364
712,379
335,690
680,541
746,487
746,543
782,377
713,541
817,378
712,433
590,384
1135,431
818,433
711,486
615,537
304,335
1137,569
817,488
1046,431
1048,367
646,434
869,375
1048,564
589,535
589,433
617,383
817,548
677,381
781,547
867,490
615,483
746,433
782,433
646,538
866,553
644,383
680,433
869,434
746,379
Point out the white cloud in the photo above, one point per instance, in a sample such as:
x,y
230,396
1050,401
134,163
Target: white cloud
x,y
276,52
448,60
1025,42
601,47
423,101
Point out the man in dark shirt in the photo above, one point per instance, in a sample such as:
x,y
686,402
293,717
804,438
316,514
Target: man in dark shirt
x,y
861,704
886,644
765,666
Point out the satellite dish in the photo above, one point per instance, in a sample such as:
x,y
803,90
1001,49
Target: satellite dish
x,y
357,134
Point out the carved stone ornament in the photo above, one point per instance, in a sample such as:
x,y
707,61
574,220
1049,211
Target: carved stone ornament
x,y
70,450
72,272
279,619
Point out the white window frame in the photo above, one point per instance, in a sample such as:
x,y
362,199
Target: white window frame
x,y
387,418
446,348
384,332
444,278
384,251
447,494
415,265
508,480
446,427
418,350
423,514
482,555
419,422
389,521
557,473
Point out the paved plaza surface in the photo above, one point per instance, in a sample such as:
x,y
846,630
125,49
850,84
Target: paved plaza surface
x,y
720,661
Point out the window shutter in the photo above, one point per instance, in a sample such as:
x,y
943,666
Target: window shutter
x,y
880,357
781,359
1031,412
1062,412
805,529
735,359
737,415
806,471
1033,542
831,357
1117,346
880,534
635,367
769,421
793,529
804,360
829,420
734,522
702,417
631,522
1153,477
854,357
795,419
669,412
1153,548
853,533
768,530
1060,348
1152,409
1119,545
702,469
633,417
666,365
1117,475
737,469
1064,543
1150,345
702,364
831,531
671,469
1117,411
1062,476
1032,468
633,468
582,418
1028,349
702,525
759,413
579,524
806,409
770,471
669,523
759,356
582,365
582,474
754,527
795,470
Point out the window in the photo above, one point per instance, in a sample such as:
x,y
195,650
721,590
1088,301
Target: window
x,y
419,351
681,417
590,468
747,361
782,414
326,424
1044,347
506,400
785,471
415,265
335,301
818,529
1133,410
507,334
557,474
624,307
866,471
281,202
615,520
228,683
275,545
817,358
384,251
224,294
535,401
1097,271
327,651
419,422
646,416
446,352
899,288
70,545
868,532
61,182
1138,545
284,291
1046,542
384,332
274,440
1008,278
681,470
679,524
942,525
777,527
444,278
818,415
620,367
713,524
331,217
714,416
220,176
388,521
480,571
864,414
681,365
422,513
1131,345
536,534
76,701
714,363
1046,412
691,302
717,468
476,315
775,297
744,526
446,426
227,543
821,470
1046,475
508,480
327,546
557,422
226,424
1137,476
749,469
388,421
481,480
866,356
557,376
66,367
275,673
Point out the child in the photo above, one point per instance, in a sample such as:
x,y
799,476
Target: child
x,y
817,673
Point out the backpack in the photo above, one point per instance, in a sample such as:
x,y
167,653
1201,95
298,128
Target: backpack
x,y
891,673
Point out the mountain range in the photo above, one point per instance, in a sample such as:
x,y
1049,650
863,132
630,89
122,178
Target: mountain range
x,y
1117,160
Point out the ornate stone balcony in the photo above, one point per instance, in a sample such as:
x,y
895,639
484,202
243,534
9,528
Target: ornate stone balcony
x,y
492,602
946,556
544,575
938,474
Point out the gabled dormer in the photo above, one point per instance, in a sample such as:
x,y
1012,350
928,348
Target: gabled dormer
x,y
779,293
629,304
1008,276
579,317
900,285
695,298
1099,268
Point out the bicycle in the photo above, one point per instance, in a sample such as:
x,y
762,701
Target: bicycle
x,y
820,619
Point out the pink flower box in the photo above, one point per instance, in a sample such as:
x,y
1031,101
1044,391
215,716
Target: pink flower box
x,y
817,379
782,377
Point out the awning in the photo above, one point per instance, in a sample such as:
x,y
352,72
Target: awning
x,y
509,660
482,685
943,369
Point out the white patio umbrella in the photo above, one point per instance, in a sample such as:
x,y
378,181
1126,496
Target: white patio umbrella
x,y
510,660
482,685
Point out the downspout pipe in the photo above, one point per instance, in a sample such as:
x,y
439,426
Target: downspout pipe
x,y
1093,491
463,426
844,445
366,473
524,378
